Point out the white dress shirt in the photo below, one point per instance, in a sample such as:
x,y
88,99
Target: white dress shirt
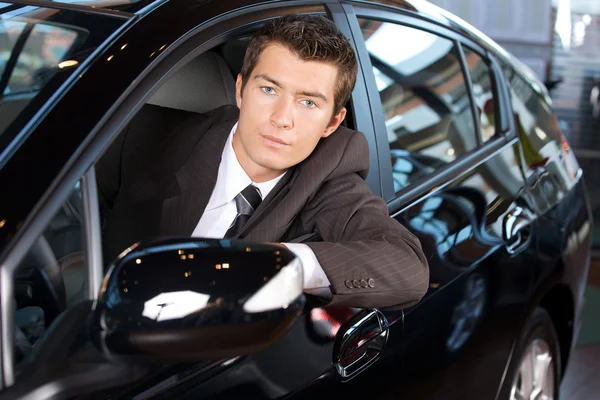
x,y
221,211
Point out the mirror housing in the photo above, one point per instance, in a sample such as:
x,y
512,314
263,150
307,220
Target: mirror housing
x,y
188,299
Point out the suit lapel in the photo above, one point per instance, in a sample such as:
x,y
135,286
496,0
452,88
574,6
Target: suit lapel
x,y
196,179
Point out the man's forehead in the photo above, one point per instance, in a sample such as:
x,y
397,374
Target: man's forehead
x,y
284,67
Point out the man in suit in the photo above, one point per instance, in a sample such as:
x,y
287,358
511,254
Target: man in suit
x,y
276,167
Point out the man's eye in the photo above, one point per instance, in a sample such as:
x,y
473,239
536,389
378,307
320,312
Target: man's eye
x,y
268,90
309,103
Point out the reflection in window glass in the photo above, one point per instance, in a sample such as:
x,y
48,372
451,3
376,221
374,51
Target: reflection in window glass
x,y
498,181
40,48
543,144
9,33
482,92
45,48
52,276
424,95
537,125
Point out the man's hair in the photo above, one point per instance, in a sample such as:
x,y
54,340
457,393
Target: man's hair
x,y
310,38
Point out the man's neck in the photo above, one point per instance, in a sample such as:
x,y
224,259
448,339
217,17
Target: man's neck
x,y
255,172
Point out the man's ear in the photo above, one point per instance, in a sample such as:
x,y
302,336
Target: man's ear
x,y
238,91
335,122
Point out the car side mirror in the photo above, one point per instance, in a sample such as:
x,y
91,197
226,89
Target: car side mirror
x,y
190,299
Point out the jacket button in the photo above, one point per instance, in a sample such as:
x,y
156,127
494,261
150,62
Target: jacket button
x,y
356,283
372,282
364,283
348,284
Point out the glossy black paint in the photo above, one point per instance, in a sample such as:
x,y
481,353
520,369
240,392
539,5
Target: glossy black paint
x,y
456,343
479,292
184,300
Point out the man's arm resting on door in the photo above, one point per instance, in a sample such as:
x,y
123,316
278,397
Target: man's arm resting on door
x,y
370,259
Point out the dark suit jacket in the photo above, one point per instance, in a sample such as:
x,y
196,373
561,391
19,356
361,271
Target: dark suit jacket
x,y
157,179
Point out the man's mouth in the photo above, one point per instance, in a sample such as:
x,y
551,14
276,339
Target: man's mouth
x,y
272,141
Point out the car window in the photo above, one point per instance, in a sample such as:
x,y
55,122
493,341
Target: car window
x,y
11,31
39,49
52,276
537,126
483,96
45,47
550,165
424,95
542,141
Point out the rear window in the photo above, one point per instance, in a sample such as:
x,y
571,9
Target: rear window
x,y
544,145
40,48
535,120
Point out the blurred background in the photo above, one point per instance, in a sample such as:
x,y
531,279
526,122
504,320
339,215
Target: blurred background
x,y
560,41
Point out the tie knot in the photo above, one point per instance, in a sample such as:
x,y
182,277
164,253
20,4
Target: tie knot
x,y
246,202
250,196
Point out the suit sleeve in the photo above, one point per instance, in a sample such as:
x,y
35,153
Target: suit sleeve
x,y
370,259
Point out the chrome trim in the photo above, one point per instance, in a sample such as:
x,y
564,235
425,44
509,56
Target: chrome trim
x,y
578,175
7,340
514,224
516,220
92,233
74,7
375,343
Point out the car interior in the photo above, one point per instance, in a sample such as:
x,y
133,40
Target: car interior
x,y
214,73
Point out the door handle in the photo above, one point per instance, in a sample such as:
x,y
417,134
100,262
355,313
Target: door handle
x,y
360,345
516,230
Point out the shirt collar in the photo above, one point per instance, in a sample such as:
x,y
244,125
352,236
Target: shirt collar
x,y
232,178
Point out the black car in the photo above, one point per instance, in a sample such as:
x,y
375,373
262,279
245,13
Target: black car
x,y
464,148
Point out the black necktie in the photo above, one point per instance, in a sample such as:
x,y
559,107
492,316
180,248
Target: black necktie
x,y
246,202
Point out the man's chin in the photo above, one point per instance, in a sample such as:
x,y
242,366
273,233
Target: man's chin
x,y
274,167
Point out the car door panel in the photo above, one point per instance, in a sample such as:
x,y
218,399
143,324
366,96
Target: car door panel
x,y
458,339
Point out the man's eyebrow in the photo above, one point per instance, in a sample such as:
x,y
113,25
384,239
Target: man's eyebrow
x,y
268,79
314,94
308,94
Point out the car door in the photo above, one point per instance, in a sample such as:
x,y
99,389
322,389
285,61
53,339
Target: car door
x,y
454,179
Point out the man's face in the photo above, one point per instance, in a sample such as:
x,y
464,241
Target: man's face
x,y
285,109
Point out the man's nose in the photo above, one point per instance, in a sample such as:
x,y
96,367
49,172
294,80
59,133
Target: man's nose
x,y
283,114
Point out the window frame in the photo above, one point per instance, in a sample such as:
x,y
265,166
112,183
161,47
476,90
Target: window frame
x,y
415,192
205,36
494,87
